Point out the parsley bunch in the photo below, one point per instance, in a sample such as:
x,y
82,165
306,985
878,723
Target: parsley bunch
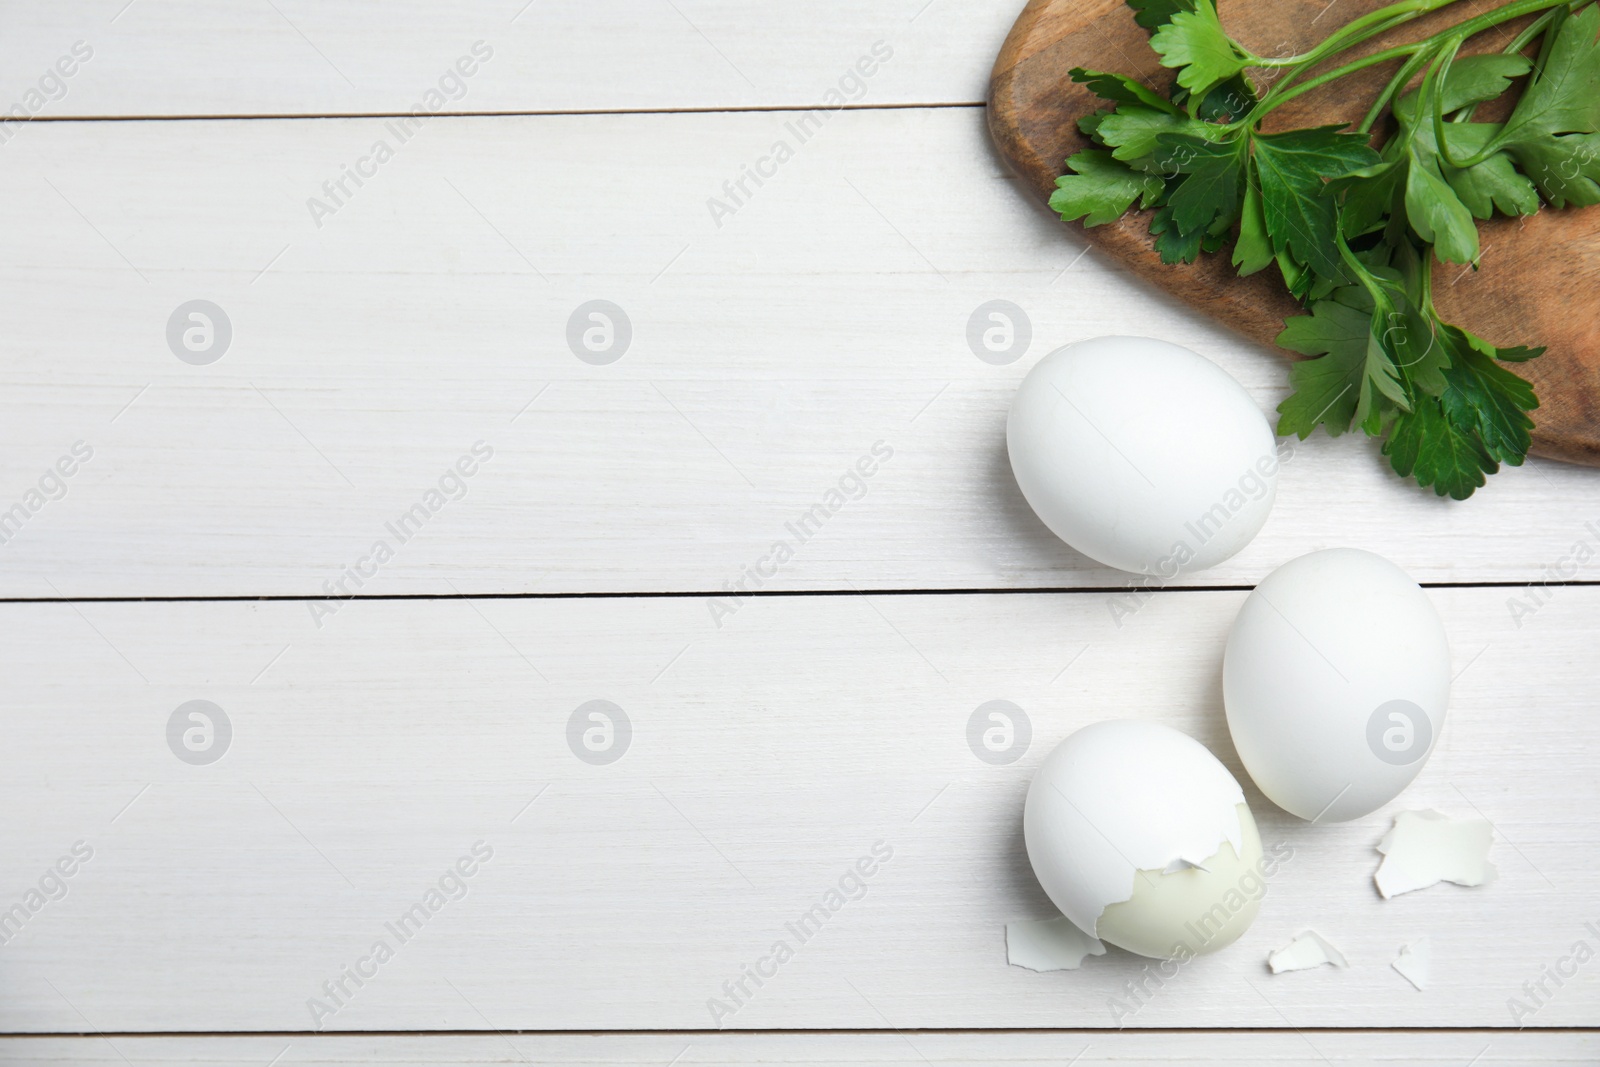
x,y
1354,230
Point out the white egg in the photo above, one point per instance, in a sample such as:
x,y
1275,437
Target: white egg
x,y
1336,678
1142,455
1143,839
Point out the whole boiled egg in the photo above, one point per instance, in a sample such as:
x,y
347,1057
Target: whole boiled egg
x,y
1142,455
1336,678
1144,840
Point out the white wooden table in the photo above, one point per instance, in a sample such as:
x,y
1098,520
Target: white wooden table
x,y
577,516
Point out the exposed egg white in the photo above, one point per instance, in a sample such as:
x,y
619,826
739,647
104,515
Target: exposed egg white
x,y
1336,678
1142,455
1143,839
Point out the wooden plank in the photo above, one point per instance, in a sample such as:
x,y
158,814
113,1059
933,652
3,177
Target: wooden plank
x,y
368,758
298,57
1127,1049
430,312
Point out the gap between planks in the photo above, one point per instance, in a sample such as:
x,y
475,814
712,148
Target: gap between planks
x,y
691,594
550,113
1087,1031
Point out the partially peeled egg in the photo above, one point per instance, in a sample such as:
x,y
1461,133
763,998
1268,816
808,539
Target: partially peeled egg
x,y
1143,839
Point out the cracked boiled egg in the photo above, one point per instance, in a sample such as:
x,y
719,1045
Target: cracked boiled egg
x,y
1143,839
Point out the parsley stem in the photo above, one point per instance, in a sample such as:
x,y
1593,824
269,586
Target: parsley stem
x,y
1277,100
1537,27
1358,268
1433,96
1426,284
1515,10
1401,77
1380,21
1370,25
1373,24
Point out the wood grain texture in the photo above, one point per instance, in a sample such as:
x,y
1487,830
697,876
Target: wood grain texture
x,y
1126,1049
769,354
1539,275
766,758
343,57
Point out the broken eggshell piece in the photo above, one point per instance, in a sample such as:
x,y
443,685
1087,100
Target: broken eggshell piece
x,y
1049,945
1415,963
1143,839
1308,950
1426,848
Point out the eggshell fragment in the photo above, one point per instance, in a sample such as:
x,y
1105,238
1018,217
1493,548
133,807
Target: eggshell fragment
x,y
1426,848
1049,945
1415,963
1308,950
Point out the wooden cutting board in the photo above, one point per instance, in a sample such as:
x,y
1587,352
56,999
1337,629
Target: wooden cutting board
x,y
1540,277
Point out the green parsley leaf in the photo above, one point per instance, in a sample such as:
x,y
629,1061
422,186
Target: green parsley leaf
x,y
1475,79
1174,245
1371,347
1154,14
1390,338
1484,395
1210,189
1131,132
1562,98
1433,209
1550,133
1229,100
1196,45
1253,250
1424,443
1494,184
1406,329
1514,354
1566,169
1101,189
1479,421
1326,390
1437,214
1293,169
1371,196
1122,90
